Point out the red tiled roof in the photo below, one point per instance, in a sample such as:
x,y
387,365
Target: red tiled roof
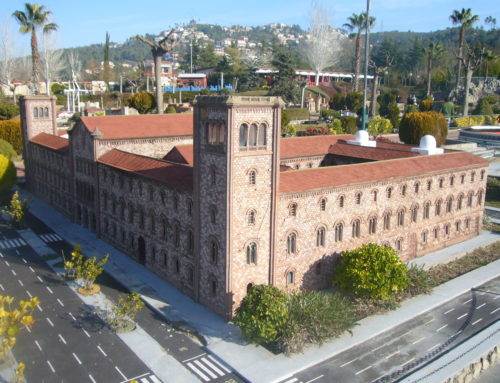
x,y
173,174
50,141
319,178
309,146
377,153
181,154
141,126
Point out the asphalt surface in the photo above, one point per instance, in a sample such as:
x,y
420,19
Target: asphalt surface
x,y
188,351
392,355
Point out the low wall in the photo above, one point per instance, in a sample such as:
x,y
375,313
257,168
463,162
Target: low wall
x,y
473,370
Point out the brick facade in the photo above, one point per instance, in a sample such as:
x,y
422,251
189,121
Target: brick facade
x,y
229,220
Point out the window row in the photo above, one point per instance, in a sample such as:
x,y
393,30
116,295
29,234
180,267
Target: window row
x,y
39,112
252,136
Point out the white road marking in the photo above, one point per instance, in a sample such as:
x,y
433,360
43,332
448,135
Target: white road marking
x,y
62,339
137,377
86,333
478,307
498,296
461,316
363,370
198,372
50,291
101,350
458,332
18,253
28,329
154,379
92,379
213,367
48,320
429,321
20,282
391,355
29,294
194,357
13,272
59,301
7,263
493,312
433,347
345,364
1,255
291,380
219,364
419,340
78,360
467,301
316,378
205,369
121,373
39,308
408,361
375,349
40,279
38,345
442,327
52,368
479,320
24,260
31,268
1,287
71,315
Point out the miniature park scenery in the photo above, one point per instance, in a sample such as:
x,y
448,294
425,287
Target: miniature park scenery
x,y
265,172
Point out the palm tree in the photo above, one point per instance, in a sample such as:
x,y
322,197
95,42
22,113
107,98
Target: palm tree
x,y
432,51
34,17
465,19
357,23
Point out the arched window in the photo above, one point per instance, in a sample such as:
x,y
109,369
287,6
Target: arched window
x,y
153,222
320,237
358,198
190,242
436,233
356,228
462,179
177,235
177,266
35,112
482,175
375,195
322,204
414,213
214,252
472,176
427,208
164,228
243,135
341,201
339,232
424,236
153,254
479,198
403,190
437,207
389,192
449,204
190,275
261,139
130,213
401,218
457,226
387,221
429,185
460,201
469,199
291,243
452,180
467,223
252,135
213,215
213,176
165,260
251,217
213,287
252,253
251,177
399,244
441,183
372,225
189,205
290,278
249,287
292,210
141,218
416,187
447,229
46,112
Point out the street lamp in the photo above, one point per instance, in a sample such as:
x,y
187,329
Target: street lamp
x,y
367,44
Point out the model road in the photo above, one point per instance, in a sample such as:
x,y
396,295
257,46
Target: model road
x,y
391,355
207,368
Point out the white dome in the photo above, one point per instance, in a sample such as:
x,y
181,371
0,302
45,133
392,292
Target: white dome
x,y
362,136
428,142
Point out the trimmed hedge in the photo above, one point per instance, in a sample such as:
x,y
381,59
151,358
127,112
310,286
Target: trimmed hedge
x,y
379,125
7,150
464,122
349,125
414,126
10,131
8,111
7,174
297,113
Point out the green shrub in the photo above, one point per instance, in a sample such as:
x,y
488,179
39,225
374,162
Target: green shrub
x,y
262,314
143,102
289,130
483,107
389,108
379,125
285,118
349,125
314,317
7,150
335,127
411,108
10,131
170,110
372,271
16,210
7,174
338,101
297,113
421,281
426,105
463,122
354,101
8,111
416,125
329,114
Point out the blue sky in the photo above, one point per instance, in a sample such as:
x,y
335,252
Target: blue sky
x,y
84,22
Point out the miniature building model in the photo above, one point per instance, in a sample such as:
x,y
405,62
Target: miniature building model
x,y
217,201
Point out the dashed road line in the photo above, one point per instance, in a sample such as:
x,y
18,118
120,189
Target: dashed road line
x,y
38,345
379,347
479,320
363,370
419,340
467,301
429,321
50,290
29,294
1,287
24,260
40,279
71,315
20,282
102,351
498,296
478,307
48,320
347,363
493,312
86,333
121,373
433,347
13,271
7,263
28,329
59,301
442,327
51,367
461,316
31,268
391,355
292,380
408,361
92,379
39,308
316,378
78,360
62,339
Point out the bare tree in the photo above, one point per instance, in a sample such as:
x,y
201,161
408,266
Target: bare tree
x,y
323,43
471,61
52,60
7,62
74,63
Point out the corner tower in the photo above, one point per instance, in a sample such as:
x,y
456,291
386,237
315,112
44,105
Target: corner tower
x,y
236,149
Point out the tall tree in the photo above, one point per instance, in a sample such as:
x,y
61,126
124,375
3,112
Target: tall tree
x,y
356,24
432,52
7,62
34,17
491,21
106,69
284,82
488,56
471,62
52,60
465,20
158,49
323,43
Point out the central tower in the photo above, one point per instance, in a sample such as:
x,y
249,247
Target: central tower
x,y
236,162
